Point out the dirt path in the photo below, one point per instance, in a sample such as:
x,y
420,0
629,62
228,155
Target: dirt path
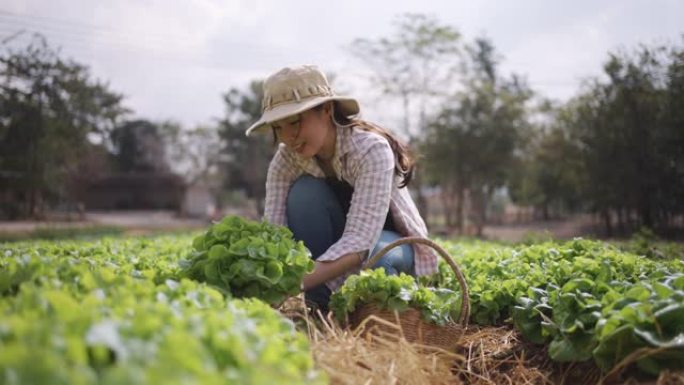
x,y
128,220
152,221
576,226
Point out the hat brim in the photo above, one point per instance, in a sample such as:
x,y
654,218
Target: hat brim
x,y
348,107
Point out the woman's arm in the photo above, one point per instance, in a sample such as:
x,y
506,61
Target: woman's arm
x,y
327,270
281,174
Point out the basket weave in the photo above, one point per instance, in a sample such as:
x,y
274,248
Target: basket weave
x,y
412,325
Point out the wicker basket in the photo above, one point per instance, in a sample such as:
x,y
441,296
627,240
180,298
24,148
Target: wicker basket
x,y
413,327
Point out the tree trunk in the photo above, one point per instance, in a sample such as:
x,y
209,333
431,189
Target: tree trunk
x,y
460,202
605,214
445,207
483,196
260,206
447,198
645,214
622,220
545,211
31,207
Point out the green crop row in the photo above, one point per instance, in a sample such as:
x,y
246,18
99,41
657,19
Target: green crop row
x,y
117,310
586,299
114,312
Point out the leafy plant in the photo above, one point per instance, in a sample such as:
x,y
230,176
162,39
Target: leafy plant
x,y
645,242
106,312
395,293
585,299
249,259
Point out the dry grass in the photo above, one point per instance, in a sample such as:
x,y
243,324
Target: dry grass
x,y
485,356
620,373
495,356
379,357
671,378
376,358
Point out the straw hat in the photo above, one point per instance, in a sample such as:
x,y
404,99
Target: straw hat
x,y
296,89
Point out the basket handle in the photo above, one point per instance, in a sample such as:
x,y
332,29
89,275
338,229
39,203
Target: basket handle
x,y
465,301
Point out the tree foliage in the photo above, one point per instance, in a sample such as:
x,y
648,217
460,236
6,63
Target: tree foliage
x,y
138,147
630,134
417,64
195,153
471,146
49,107
549,173
246,163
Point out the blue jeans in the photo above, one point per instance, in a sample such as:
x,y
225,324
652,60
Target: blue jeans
x,y
316,212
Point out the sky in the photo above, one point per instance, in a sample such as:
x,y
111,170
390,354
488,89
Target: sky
x,y
173,59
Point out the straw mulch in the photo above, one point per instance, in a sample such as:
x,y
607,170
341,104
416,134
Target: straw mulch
x,y
495,356
671,378
486,355
380,357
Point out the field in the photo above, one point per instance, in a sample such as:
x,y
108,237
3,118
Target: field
x,y
113,310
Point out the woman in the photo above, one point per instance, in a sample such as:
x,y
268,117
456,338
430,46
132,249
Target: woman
x,y
337,182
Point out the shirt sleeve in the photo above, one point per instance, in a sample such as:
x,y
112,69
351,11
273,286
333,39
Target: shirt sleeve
x,y
369,205
281,174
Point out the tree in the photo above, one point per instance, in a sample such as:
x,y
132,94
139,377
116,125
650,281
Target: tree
x,y
549,173
417,64
195,153
247,158
630,132
471,146
49,107
138,147
671,141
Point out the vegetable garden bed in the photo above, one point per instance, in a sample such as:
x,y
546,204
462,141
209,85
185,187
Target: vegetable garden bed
x,y
115,311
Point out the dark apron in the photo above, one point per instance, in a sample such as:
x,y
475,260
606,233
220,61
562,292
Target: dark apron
x,y
344,192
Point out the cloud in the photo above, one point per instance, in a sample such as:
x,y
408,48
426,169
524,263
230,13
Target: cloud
x,y
174,58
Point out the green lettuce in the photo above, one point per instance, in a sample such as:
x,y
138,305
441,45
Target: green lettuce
x,y
249,259
395,292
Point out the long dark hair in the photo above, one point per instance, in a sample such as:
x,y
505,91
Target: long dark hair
x,y
404,164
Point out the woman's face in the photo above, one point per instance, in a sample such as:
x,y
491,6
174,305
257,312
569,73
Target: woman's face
x,y
304,133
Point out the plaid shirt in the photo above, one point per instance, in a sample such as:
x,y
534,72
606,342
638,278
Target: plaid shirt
x,y
364,160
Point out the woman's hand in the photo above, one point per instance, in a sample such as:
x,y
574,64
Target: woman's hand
x,y
327,270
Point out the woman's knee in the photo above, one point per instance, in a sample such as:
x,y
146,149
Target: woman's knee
x,y
305,191
399,259
313,214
